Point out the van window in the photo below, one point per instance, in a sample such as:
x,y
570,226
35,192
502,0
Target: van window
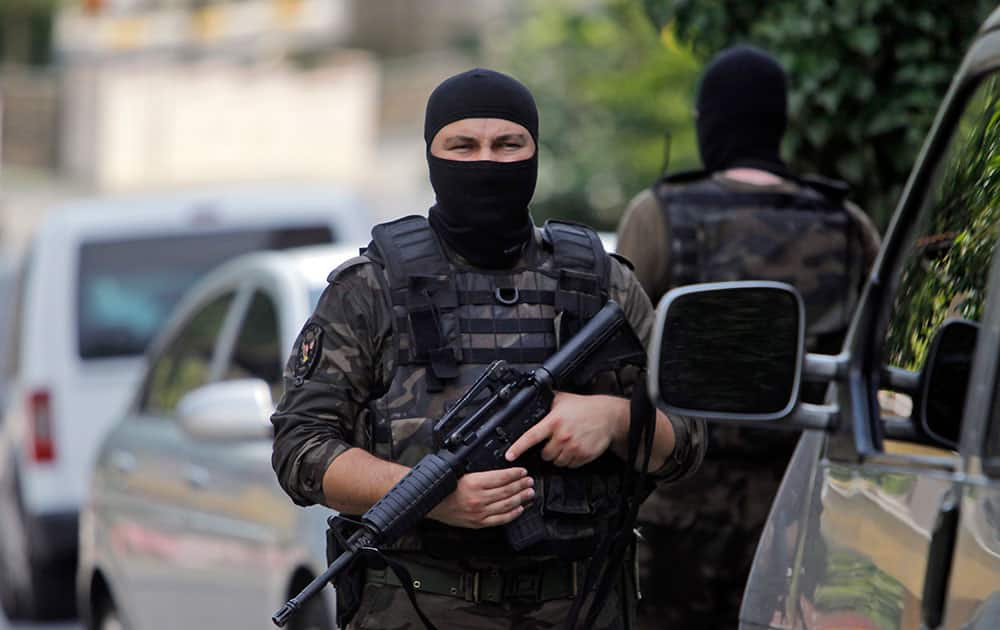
x,y
258,352
187,360
944,268
126,288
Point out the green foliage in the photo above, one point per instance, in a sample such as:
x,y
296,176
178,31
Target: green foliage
x,y
866,76
948,269
26,30
609,87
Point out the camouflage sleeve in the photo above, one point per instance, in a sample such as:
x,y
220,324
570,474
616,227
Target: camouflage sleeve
x,y
643,238
689,433
335,368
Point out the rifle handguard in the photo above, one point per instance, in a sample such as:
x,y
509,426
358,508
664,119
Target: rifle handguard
x,y
416,494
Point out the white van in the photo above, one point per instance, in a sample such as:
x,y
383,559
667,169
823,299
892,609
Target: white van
x,y
99,279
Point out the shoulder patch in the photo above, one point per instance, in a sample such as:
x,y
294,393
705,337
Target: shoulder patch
x,y
623,260
308,349
347,264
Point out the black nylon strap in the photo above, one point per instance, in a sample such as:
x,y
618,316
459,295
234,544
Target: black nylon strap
x,y
408,245
577,247
488,355
607,562
525,296
584,273
486,298
497,326
420,280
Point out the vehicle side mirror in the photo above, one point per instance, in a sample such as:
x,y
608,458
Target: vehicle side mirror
x,y
229,410
728,351
945,380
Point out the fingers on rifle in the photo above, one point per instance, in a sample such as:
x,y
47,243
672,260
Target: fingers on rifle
x,y
491,495
498,478
510,504
502,519
535,435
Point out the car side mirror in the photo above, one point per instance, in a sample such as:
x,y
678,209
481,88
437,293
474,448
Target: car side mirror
x,y
945,381
728,351
228,410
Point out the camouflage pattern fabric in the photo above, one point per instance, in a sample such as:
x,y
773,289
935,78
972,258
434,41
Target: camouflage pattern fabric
x,y
701,533
326,409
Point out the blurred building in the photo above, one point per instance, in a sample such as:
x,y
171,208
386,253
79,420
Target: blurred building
x,y
151,94
162,92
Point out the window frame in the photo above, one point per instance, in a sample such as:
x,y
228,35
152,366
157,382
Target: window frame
x,y
227,352
179,324
866,341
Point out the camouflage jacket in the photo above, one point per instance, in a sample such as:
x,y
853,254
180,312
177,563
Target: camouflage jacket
x,y
352,335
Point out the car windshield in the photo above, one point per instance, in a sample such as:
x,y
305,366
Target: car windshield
x,y
126,288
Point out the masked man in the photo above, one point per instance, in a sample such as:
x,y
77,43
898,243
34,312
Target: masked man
x,y
746,216
404,328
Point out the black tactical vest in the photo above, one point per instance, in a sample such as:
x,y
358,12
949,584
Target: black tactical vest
x,y
802,237
451,321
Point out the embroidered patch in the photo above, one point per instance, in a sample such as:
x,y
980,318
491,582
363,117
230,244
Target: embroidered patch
x,y
310,348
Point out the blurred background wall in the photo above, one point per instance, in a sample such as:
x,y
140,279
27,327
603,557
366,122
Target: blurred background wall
x,y
105,96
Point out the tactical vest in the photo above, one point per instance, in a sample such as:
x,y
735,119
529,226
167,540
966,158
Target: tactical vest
x,y
450,322
804,238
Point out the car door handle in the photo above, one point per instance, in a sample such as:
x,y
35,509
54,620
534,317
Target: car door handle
x,y
123,462
939,561
196,477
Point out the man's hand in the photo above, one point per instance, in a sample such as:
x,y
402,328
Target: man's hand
x,y
486,499
578,429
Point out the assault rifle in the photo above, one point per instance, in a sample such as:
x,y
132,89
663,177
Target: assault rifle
x,y
477,431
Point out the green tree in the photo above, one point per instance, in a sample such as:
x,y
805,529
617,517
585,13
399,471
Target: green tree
x,y
866,76
949,268
26,30
609,88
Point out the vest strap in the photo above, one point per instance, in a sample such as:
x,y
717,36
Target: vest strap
x,y
485,298
420,279
495,326
483,356
584,273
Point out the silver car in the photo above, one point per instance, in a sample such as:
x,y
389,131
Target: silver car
x,y
185,525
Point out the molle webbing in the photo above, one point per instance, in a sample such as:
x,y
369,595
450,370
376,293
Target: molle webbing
x,y
427,298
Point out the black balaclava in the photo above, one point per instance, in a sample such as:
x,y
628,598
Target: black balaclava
x,y
742,111
482,206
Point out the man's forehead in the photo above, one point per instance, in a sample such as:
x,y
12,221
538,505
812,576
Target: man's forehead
x,y
478,127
